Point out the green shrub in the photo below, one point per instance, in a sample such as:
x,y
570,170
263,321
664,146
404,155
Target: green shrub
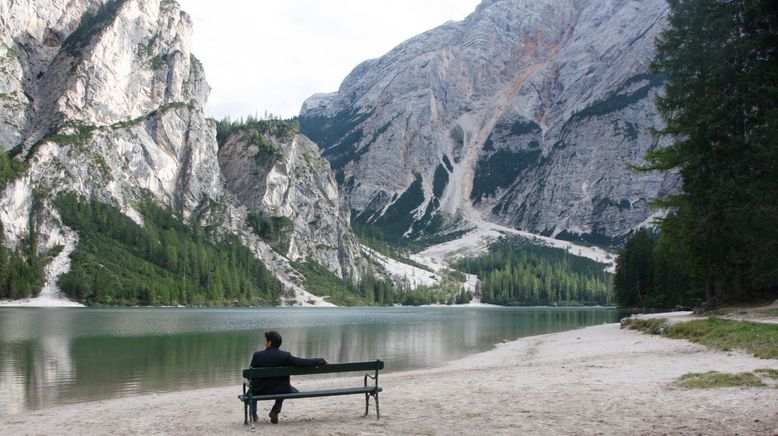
x,y
439,181
91,23
10,169
276,230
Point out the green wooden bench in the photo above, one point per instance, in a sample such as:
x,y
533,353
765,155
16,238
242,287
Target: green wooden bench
x,y
369,391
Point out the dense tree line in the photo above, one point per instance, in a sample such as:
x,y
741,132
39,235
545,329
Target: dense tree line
x,y
21,271
372,290
649,275
269,126
10,169
721,109
369,290
448,292
165,262
515,272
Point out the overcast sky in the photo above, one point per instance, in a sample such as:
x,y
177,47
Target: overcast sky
x,y
262,55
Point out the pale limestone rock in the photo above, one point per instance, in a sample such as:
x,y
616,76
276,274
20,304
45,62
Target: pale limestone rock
x,y
453,93
298,184
116,111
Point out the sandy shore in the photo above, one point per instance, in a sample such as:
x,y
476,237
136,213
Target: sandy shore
x,y
597,380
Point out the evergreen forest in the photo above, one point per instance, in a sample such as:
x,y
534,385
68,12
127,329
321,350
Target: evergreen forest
x,y
21,270
371,290
516,272
164,262
261,128
718,242
649,274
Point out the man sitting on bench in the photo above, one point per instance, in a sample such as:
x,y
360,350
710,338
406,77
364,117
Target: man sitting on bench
x,y
271,356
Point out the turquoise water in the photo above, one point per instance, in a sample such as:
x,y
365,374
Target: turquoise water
x,y
65,355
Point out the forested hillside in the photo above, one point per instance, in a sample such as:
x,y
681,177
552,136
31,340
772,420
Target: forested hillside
x,y
165,262
516,272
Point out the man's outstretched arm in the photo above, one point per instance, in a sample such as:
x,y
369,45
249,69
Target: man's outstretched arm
x,y
303,362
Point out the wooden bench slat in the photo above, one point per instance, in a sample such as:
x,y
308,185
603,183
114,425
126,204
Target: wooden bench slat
x,y
324,369
310,394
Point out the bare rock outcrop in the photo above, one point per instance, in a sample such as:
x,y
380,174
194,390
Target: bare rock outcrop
x,y
525,113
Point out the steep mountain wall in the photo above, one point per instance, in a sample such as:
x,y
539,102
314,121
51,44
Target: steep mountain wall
x,y
113,107
105,99
279,177
526,113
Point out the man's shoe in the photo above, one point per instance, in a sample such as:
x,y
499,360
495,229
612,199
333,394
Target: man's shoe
x,y
255,417
274,417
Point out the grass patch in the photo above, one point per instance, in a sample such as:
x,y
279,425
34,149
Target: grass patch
x,y
768,372
759,339
715,379
653,326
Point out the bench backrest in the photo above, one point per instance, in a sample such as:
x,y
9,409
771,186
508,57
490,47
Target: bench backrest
x,y
278,371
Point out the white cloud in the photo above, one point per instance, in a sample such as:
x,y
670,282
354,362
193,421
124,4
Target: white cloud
x,y
271,55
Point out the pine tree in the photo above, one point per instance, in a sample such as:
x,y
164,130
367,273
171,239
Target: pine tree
x,y
634,278
721,109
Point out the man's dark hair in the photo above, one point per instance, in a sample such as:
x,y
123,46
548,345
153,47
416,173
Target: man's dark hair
x,y
274,337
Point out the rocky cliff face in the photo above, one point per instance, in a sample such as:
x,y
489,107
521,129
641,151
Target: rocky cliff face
x,y
283,176
109,103
526,113
105,99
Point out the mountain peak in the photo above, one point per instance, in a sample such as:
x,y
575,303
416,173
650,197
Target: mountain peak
x,y
525,113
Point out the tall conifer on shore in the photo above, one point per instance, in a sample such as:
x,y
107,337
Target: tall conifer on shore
x,y
720,60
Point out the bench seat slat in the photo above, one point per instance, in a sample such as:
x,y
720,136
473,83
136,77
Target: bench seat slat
x,y
310,394
324,369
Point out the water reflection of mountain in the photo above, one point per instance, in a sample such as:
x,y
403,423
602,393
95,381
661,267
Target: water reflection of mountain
x,y
54,357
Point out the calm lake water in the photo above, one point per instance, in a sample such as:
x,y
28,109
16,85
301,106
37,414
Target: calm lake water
x,y
65,355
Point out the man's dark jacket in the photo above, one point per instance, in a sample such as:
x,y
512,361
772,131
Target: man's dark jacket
x,y
271,357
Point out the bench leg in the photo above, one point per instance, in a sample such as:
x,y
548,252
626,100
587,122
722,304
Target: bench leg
x,y
367,404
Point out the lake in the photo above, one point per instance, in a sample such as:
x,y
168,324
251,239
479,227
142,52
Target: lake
x,y
65,355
